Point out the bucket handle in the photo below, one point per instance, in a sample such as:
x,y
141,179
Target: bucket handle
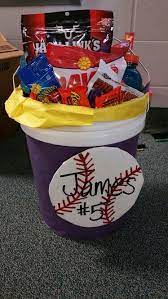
x,y
141,63
13,78
145,69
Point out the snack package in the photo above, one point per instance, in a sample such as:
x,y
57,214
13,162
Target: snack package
x,y
98,86
89,29
102,83
113,97
76,66
47,95
74,96
38,74
127,91
114,70
54,97
130,37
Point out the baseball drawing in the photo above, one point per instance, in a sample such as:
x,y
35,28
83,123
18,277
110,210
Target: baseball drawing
x,y
96,187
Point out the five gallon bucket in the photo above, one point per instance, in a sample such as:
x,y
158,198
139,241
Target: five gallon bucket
x,y
87,177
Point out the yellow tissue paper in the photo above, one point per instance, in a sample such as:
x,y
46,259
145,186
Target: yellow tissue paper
x,y
35,114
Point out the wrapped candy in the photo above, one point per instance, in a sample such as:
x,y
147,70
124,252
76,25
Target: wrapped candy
x,y
38,72
113,97
75,66
74,96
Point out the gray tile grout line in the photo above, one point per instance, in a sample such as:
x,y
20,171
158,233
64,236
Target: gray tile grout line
x,y
133,15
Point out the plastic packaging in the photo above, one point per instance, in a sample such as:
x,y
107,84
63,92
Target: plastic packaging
x,y
102,83
132,76
113,97
107,76
76,66
98,86
89,29
54,97
114,70
38,71
74,96
130,37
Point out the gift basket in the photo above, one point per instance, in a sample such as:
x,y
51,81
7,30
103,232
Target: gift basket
x,y
82,102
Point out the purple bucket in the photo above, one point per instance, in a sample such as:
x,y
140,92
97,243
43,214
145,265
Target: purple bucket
x,y
50,148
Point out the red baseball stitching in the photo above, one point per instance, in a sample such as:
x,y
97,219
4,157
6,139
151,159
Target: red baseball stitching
x,y
85,165
122,181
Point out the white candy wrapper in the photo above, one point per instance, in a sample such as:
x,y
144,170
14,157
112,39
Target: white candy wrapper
x,y
101,82
106,79
111,71
114,70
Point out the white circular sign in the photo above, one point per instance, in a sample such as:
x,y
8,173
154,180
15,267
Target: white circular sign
x,y
96,187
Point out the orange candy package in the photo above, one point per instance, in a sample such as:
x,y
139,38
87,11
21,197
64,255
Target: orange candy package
x,y
113,97
74,96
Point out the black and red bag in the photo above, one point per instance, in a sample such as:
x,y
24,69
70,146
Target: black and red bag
x,y
89,29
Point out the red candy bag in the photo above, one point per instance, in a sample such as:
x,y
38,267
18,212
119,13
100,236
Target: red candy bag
x,y
71,57
76,66
74,96
54,97
113,97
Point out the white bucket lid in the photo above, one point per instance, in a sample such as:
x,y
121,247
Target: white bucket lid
x,y
98,134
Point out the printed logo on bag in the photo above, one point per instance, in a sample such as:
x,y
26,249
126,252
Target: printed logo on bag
x,y
96,187
94,44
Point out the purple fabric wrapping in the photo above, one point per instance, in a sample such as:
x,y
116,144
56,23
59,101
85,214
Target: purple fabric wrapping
x,y
46,159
